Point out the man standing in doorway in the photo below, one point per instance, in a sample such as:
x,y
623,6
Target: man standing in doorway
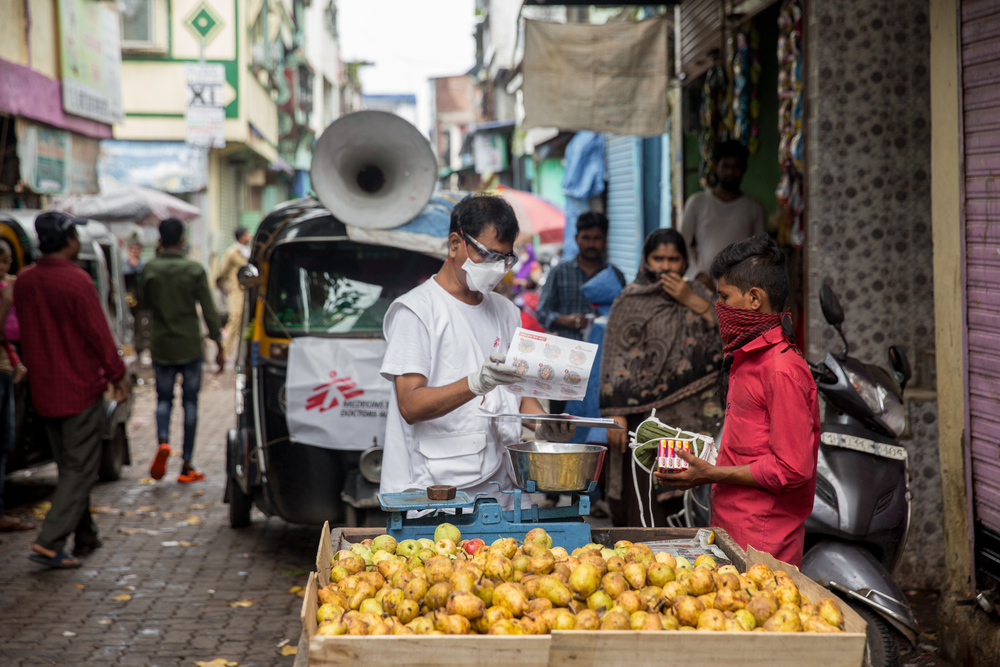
x,y
172,288
563,309
724,215
73,357
235,258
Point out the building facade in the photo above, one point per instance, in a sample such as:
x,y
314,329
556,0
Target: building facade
x,y
60,91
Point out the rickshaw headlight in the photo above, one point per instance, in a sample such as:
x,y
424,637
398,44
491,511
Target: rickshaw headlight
x,y
278,351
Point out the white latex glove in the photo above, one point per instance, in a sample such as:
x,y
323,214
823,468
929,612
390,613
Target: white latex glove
x,y
554,431
493,374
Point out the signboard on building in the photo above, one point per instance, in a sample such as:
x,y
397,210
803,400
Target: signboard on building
x,y
489,152
168,166
90,60
204,105
44,156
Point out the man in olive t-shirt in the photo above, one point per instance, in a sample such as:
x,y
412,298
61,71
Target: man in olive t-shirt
x,y
173,287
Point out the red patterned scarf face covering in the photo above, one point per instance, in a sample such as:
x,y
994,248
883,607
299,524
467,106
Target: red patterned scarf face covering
x,y
739,326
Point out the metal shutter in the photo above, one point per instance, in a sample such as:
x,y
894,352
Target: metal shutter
x,y
980,44
624,160
228,207
698,32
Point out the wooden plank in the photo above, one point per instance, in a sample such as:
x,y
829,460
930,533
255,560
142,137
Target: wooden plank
x,y
324,555
310,605
705,649
853,623
302,656
430,651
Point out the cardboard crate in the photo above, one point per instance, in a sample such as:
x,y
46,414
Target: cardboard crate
x,y
579,648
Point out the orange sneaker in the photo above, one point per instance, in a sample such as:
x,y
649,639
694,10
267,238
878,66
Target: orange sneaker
x,y
191,475
159,467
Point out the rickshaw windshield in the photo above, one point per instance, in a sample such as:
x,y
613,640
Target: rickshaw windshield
x,y
338,287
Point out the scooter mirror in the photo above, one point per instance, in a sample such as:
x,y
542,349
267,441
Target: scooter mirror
x,y
828,301
900,365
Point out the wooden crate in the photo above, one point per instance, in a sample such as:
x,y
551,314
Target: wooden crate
x,y
583,649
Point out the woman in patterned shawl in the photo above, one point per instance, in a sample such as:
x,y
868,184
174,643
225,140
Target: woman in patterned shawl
x,y
661,351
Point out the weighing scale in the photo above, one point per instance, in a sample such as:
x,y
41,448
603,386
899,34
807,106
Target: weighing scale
x,y
484,518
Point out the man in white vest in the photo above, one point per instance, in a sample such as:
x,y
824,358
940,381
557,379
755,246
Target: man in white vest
x,y
447,342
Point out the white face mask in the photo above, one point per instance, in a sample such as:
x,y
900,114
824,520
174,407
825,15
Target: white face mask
x,y
485,276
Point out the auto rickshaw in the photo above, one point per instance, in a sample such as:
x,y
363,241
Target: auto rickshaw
x,y
100,257
311,277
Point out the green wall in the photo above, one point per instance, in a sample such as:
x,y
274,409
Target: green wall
x,y
547,183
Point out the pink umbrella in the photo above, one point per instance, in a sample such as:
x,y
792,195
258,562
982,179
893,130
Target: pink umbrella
x,y
534,216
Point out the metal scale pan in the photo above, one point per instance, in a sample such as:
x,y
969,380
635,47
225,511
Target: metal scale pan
x,y
538,467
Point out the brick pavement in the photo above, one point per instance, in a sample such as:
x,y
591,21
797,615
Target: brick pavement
x,y
173,616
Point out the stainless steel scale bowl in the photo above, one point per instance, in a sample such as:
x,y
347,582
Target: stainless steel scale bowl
x,y
555,467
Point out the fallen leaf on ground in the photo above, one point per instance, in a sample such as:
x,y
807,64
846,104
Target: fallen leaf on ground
x,y
141,531
193,520
130,588
124,597
69,634
147,508
104,621
184,543
197,493
218,662
80,586
283,642
289,650
41,509
175,495
174,515
198,506
241,603
295,589
147,480
129,513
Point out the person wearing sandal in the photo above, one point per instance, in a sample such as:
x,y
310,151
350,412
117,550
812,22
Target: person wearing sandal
x,y
11,372
172,288
73,357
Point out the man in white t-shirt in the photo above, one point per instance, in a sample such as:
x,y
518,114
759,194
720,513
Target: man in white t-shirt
x,y
447,340
717,218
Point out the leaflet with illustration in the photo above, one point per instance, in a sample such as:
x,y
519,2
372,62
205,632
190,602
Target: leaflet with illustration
x,y
552,367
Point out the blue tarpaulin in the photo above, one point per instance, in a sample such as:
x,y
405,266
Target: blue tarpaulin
x,y
583,178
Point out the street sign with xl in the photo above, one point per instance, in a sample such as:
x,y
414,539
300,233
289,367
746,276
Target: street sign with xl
x,y
204,104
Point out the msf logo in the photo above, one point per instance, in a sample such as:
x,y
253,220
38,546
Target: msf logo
x,y
325,396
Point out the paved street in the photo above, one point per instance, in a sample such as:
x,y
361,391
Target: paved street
x,y
180,575
179,611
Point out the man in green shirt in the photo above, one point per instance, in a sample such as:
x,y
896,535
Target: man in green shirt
x,y
172,287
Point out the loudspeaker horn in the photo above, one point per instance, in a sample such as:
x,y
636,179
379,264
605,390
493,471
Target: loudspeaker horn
x,y
373,169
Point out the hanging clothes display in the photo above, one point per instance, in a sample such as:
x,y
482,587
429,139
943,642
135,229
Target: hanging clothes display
x,y
714,109
745,107
790,188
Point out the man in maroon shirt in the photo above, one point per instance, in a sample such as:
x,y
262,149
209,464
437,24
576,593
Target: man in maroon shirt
x,y
73,357
765,475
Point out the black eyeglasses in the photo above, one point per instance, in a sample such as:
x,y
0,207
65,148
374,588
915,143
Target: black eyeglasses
x,y
509,260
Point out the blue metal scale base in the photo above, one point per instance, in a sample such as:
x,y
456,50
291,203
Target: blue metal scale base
x,y
484,518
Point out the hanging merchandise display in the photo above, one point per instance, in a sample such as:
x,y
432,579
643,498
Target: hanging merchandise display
x,y
745,107
790,188
714,108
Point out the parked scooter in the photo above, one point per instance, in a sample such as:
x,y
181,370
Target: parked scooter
x,y
861,513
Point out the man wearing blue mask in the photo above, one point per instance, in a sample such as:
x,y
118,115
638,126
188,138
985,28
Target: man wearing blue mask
x,y
447,341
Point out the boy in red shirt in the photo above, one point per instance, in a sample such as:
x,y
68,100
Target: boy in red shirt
x,y
765,476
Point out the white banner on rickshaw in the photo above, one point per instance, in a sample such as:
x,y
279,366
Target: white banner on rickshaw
x,y
334,393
